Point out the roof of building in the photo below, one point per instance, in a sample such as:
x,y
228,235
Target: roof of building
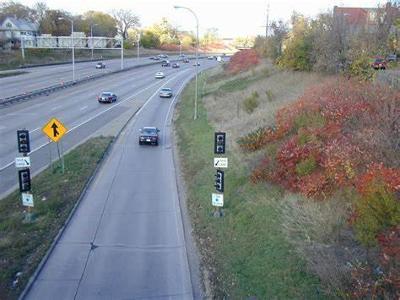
x,y
21,24
352,15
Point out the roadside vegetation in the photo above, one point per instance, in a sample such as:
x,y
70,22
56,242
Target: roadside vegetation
x,y
244,253
23,245
313,175
335,41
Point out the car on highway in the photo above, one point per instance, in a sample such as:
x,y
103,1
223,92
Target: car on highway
x,y
100,65
175,65
166,93
165,63
379,63
162,55
160,75
149,135
211,57
107,97
186,60
195,64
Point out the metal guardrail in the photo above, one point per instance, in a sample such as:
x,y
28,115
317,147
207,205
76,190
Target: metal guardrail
x,y
51,89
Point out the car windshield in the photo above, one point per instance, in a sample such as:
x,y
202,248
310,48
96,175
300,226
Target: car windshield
x,y
149,131
379,60
106,94
165,90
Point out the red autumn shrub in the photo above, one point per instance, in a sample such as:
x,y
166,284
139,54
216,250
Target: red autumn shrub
x,y
243,61
330,121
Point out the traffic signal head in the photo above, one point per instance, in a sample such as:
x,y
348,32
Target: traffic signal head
x,y
24,177
219,142
219,181
23,141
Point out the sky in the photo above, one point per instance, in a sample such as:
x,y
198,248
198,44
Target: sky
x,y
232,18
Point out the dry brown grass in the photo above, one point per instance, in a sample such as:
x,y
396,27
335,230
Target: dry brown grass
x,y
319,234
226,111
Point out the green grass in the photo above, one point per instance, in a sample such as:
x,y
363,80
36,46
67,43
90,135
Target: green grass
x,y
9,74
23,245
246,248
231,85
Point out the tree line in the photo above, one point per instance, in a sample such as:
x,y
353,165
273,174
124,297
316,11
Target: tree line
x,y
330,42
120,22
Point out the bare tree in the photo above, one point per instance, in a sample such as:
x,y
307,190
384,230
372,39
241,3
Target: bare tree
x,y
40,9
125,20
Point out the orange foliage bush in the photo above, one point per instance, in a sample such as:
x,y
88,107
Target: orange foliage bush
x,y
243,61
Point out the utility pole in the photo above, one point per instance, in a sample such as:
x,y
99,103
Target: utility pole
x,y
267,23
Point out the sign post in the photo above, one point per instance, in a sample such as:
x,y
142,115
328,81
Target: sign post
x,y
217,199
55,130
23,165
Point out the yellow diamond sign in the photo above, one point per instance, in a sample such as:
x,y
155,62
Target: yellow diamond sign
x,y
54,129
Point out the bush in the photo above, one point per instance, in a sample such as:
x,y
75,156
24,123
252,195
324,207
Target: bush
x,y
378,207
242,61
361,68
270,95
306,166
251,102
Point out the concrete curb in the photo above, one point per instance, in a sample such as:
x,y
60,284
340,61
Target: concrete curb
x,y
192,253
51,89
88,183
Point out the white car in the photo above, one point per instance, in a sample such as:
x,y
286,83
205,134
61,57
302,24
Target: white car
x,y
160,75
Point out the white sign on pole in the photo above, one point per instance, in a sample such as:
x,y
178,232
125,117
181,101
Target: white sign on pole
x,y
220,162
27,199
217,200
23,162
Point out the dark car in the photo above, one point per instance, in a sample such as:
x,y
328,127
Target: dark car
x,y
149,135
165,63
165,93
186,60
391,58
175,65
379,64
107,97
100,65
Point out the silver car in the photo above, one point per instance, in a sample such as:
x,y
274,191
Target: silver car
x,y
160,75
166,93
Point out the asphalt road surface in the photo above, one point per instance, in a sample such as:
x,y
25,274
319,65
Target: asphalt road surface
x,y
78,109
126,239
41,77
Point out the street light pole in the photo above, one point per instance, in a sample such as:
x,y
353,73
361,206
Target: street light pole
x,y
73,45
180,48
73,50
91,38
197,56
138,45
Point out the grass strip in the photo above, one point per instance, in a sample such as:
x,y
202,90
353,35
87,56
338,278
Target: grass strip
x,y
245,251
23,245
9,74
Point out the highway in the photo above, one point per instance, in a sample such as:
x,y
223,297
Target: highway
x,y
79,111
45,76
126,240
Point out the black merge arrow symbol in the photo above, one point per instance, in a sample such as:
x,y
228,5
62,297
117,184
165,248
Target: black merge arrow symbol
x,y
55,132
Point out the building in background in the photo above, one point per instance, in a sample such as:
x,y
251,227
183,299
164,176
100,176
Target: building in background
x,y
13,29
